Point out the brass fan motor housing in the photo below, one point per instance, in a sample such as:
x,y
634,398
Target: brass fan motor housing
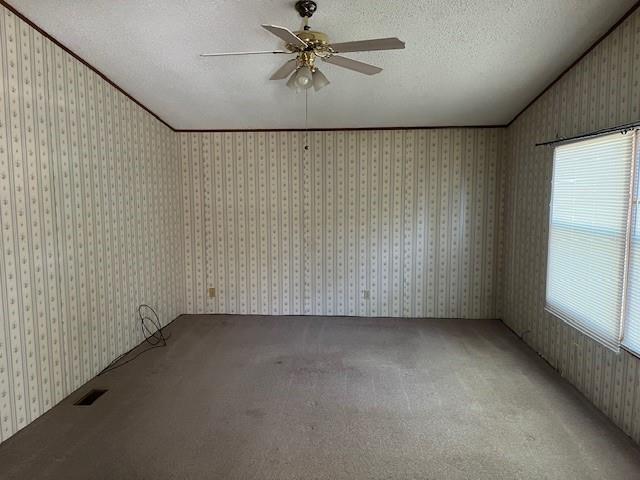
x,y
313,39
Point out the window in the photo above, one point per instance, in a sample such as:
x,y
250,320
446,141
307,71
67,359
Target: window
x,y
593,269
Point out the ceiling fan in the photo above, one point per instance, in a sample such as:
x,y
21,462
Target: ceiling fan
x,y
309,45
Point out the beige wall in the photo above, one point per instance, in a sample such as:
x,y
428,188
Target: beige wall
x,y
412,216
602,90
89,223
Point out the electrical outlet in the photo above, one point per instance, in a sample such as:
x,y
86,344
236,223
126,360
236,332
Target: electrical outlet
x,y
366,295
212,292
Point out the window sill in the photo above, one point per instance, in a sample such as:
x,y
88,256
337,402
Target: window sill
x,y
609,345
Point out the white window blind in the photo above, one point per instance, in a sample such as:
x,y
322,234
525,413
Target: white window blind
x,y
588,235
631,338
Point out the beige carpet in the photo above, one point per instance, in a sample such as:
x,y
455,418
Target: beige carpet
x,y
327,398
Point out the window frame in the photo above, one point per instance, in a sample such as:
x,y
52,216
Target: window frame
x,y
633,209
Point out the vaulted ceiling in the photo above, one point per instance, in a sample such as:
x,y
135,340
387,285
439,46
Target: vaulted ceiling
x,y
466,62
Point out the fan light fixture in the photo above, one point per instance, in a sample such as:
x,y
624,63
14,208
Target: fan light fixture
x,y
306,75
304,78
308,46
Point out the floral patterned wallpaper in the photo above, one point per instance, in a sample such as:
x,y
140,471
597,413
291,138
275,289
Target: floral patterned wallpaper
x,y
603,90
408,218
89,227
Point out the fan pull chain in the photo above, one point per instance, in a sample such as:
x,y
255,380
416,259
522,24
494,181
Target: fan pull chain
x,y
306,109
306,120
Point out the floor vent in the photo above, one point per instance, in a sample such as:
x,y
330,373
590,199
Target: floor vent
x,y
90,397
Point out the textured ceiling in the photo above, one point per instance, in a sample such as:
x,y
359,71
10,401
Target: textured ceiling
x,y
467,62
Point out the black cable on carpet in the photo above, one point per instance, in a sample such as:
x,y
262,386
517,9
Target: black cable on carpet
x,y
153,335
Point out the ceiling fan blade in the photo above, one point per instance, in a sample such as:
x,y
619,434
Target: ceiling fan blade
x,y
369,45
285,34
228,54
353,65
285,70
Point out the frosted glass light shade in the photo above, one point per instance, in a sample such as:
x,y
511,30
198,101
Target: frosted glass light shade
x,y
301,79
291,83
319,80
304,78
